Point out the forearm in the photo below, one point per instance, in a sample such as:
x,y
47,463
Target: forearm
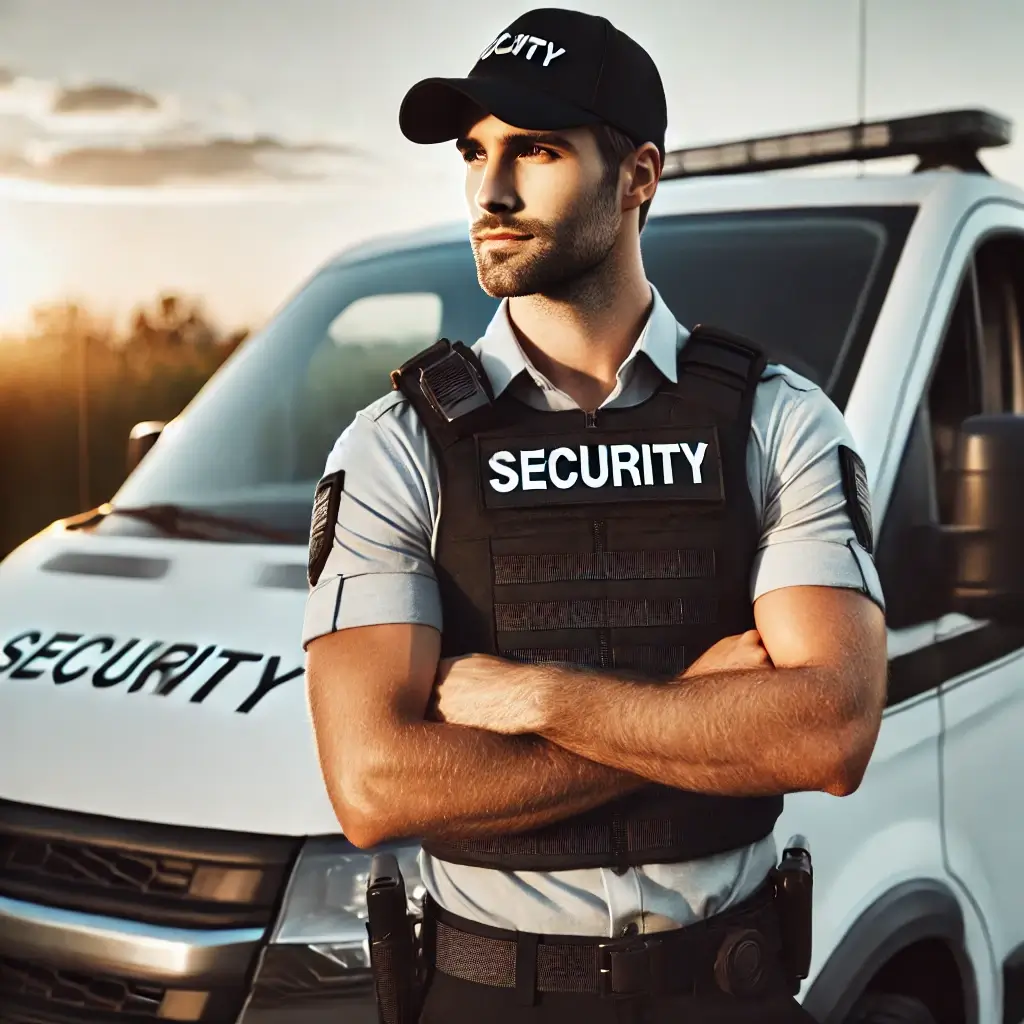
x,y
742,733
451,782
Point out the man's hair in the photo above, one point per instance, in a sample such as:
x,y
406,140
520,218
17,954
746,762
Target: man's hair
x,y
614,147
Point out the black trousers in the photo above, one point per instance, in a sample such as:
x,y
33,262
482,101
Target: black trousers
x,y
453,1001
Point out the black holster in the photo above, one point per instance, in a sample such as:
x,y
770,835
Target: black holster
x,y
394,958
794,885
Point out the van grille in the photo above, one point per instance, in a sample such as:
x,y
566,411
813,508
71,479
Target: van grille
x,y
88,866
33,993
190,878
36,994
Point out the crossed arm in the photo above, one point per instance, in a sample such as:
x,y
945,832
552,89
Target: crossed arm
x,y
391,773
795,706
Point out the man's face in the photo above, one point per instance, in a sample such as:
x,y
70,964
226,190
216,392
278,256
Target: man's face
x,y
543,212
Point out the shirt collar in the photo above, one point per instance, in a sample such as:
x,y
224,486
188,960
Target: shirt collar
x,y
503,359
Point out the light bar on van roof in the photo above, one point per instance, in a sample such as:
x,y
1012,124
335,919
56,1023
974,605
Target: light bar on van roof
x,y
952,136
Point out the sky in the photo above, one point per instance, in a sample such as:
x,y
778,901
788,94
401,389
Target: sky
x,y
224,148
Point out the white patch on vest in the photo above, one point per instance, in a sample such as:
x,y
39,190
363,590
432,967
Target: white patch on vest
x,y
532,463
562,483
510,478
625,457
666,451
648,468
602,458
695,459
629,466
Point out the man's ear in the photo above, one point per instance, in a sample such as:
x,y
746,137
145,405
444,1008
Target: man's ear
x,y
644,174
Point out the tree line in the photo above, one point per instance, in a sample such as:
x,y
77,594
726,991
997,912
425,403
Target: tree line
x,y
71,388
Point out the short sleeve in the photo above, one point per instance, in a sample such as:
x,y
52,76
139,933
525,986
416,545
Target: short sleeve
x,y
379,568
795,472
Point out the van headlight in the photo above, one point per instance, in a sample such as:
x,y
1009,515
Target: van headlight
x,y
325,904
319,947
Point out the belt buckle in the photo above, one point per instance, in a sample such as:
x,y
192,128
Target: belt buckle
x,y
630,959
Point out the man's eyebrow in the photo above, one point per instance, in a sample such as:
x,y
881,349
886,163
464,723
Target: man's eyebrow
x,y
523,139
543,139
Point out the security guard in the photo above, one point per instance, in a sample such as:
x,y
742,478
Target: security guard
x,y
588,597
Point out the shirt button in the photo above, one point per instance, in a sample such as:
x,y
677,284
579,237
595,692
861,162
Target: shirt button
x,y
629,930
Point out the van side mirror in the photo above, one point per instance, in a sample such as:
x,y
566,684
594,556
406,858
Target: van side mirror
x,y
984,544
141,438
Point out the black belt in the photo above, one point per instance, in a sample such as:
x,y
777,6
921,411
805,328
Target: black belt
x,y
737,951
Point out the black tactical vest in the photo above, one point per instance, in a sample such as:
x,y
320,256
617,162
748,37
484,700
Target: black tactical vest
x,y
621,540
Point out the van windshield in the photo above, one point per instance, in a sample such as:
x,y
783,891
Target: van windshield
x,y
806,284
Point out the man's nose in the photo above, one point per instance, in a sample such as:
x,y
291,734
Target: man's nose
x,y
496,192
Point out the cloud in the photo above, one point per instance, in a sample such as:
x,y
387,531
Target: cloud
x,y
24,97
102,99
110,134
260,160
97,110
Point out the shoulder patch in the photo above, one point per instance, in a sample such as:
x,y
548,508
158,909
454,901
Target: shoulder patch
x,y
321,531
858,496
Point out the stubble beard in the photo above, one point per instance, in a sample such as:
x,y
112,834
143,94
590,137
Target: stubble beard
x,y
560,261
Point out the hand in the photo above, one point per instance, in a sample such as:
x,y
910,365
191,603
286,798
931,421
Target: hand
x,y
744,651
486,692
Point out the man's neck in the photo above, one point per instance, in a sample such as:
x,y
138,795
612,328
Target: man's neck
x,y
579,340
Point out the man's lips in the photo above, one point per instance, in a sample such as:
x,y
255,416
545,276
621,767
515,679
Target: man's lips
x,y
502,236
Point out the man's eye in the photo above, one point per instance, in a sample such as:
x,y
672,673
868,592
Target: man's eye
x,y
535,151
471,155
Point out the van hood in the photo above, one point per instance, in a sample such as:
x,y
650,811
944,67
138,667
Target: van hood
x,y
158,680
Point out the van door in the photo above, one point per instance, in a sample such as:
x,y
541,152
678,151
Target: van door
x,y
982,691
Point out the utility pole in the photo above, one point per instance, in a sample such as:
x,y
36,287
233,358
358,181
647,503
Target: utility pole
x,y
862,61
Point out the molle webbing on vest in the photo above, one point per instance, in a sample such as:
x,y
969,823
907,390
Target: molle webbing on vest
x,y
604,565
644,659
621,542
602,613
656,825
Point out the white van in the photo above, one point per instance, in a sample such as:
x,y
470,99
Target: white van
x,y
167,848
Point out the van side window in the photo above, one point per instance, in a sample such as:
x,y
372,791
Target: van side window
x,y
978,370
907,566
1000,266
955,391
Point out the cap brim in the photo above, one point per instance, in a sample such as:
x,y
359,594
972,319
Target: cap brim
x,y
439,109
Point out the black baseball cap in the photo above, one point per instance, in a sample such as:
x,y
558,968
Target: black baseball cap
x,y
550,69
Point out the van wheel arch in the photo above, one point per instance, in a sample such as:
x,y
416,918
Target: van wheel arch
x,y
911,914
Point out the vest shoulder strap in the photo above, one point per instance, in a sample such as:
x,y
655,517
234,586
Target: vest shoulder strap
x,y
447,386
725,367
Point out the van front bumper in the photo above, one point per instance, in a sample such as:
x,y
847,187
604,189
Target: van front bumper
x,y
105,921
66,966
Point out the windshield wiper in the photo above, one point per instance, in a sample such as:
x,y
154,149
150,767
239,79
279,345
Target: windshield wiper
x,y
191,524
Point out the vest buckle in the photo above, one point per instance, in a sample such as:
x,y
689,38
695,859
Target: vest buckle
x,y
453,387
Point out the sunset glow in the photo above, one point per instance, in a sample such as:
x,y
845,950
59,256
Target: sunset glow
x,y
14,293
144,149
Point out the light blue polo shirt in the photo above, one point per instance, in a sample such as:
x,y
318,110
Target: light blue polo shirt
x,y
383,547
